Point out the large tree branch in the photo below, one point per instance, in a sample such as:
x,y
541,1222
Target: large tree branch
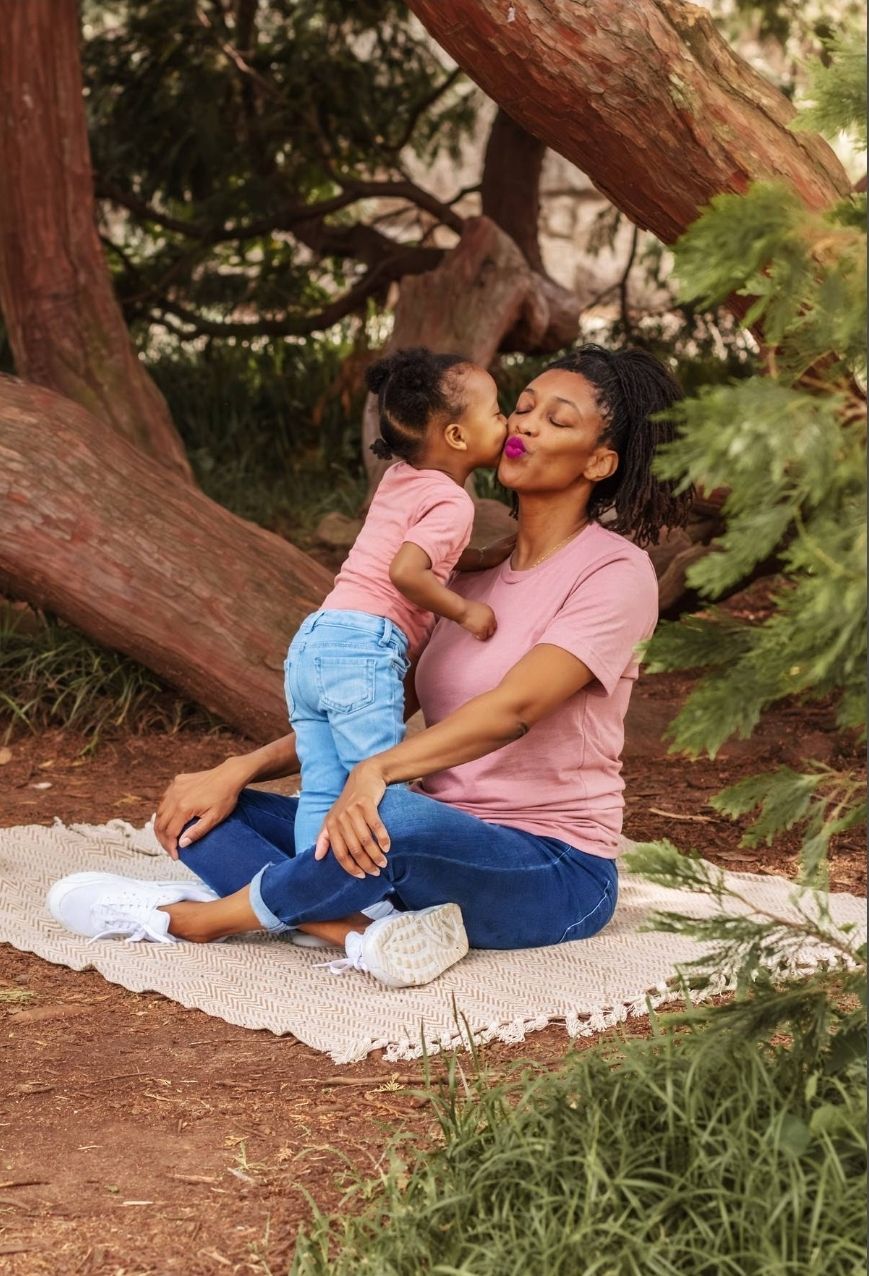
x,y
373,283
289,218
647,99
366,244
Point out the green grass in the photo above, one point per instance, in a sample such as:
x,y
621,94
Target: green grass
x,y
53,676
672,1157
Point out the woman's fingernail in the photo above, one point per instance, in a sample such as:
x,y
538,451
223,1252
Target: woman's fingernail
x,y
184,841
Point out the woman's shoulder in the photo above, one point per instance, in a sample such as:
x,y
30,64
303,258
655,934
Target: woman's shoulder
x,y
611,563
602,546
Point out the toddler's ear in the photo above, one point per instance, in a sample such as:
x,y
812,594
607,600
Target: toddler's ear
x,y
454,436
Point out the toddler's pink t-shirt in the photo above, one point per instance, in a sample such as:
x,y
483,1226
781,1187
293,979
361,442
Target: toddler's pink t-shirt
x,y
597,598
425,507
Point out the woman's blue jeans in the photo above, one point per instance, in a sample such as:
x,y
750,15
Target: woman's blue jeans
x,y
515,889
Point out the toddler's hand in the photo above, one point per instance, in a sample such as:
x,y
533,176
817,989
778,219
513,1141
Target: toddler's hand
x,y
479,620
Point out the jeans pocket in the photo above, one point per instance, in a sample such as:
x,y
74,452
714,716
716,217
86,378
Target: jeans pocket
x,y
345,683
400,664
288,695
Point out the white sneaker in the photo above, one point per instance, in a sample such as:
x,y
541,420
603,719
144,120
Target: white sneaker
x,y
407,949
102,904
302,939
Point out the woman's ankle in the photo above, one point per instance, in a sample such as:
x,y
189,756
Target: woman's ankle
x,y
336,932
203,923
191,921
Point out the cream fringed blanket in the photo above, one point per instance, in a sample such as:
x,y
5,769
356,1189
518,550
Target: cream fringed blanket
x,y
259,982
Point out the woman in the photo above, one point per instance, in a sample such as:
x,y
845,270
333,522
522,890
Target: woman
x,y
509,837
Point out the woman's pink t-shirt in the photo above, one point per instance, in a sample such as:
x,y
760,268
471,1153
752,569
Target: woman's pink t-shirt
x,y
424,507
597,598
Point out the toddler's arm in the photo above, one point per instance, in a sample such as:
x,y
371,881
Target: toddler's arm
x,y
411,574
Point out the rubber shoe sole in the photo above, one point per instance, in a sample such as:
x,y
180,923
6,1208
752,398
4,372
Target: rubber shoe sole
x,y
410,949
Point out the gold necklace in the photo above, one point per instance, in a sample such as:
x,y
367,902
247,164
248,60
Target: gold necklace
x,y
549,552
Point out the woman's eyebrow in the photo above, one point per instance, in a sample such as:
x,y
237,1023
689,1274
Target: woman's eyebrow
x,y
570,403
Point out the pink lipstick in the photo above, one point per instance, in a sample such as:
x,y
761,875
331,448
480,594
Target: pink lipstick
x,y
514,447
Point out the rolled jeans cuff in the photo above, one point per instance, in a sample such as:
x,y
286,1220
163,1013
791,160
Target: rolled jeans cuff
x,y
264,914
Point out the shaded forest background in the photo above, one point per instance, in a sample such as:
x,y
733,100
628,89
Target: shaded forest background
x,y
281,189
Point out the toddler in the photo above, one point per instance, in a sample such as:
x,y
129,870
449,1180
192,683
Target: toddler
x,y
345,669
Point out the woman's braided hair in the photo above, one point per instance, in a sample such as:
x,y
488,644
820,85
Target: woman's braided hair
x,y
414,387
632,387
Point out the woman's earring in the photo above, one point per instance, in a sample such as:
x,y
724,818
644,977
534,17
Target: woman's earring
x,y
511,13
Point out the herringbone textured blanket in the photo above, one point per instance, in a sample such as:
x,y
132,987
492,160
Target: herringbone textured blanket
x,y
260,982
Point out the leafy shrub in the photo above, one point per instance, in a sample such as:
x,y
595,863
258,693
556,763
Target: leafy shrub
x,y
696,1154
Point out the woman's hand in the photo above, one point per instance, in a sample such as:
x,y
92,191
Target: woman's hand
x,y
206,796
353,828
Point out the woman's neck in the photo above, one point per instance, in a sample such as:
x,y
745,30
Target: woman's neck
x,y
544,523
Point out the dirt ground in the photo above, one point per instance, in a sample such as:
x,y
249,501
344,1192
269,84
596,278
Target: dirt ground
x,y
137,1137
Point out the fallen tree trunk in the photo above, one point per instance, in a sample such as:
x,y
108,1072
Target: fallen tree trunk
x,y
647,99
126,551
64,323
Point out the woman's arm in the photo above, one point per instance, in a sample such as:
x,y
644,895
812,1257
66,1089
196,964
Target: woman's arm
x,y
209,796
533,688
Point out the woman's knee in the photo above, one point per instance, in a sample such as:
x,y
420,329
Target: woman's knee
x,y
408,816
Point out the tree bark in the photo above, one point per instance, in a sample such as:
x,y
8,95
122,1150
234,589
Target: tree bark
x,y
126,551
510,195
65,326
646,98
510,189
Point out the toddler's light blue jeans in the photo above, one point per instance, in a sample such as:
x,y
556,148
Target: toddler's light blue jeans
x,y
344,683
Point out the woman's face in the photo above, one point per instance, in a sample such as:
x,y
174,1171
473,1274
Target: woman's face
x,y
553,436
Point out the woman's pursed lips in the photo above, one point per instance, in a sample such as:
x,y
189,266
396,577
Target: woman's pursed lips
x,y
514,447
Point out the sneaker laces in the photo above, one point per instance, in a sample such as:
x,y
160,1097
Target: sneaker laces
x,y
340,965
126,913
139,932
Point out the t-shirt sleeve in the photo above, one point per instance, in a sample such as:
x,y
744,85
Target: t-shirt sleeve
x,y
606,616
443,528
